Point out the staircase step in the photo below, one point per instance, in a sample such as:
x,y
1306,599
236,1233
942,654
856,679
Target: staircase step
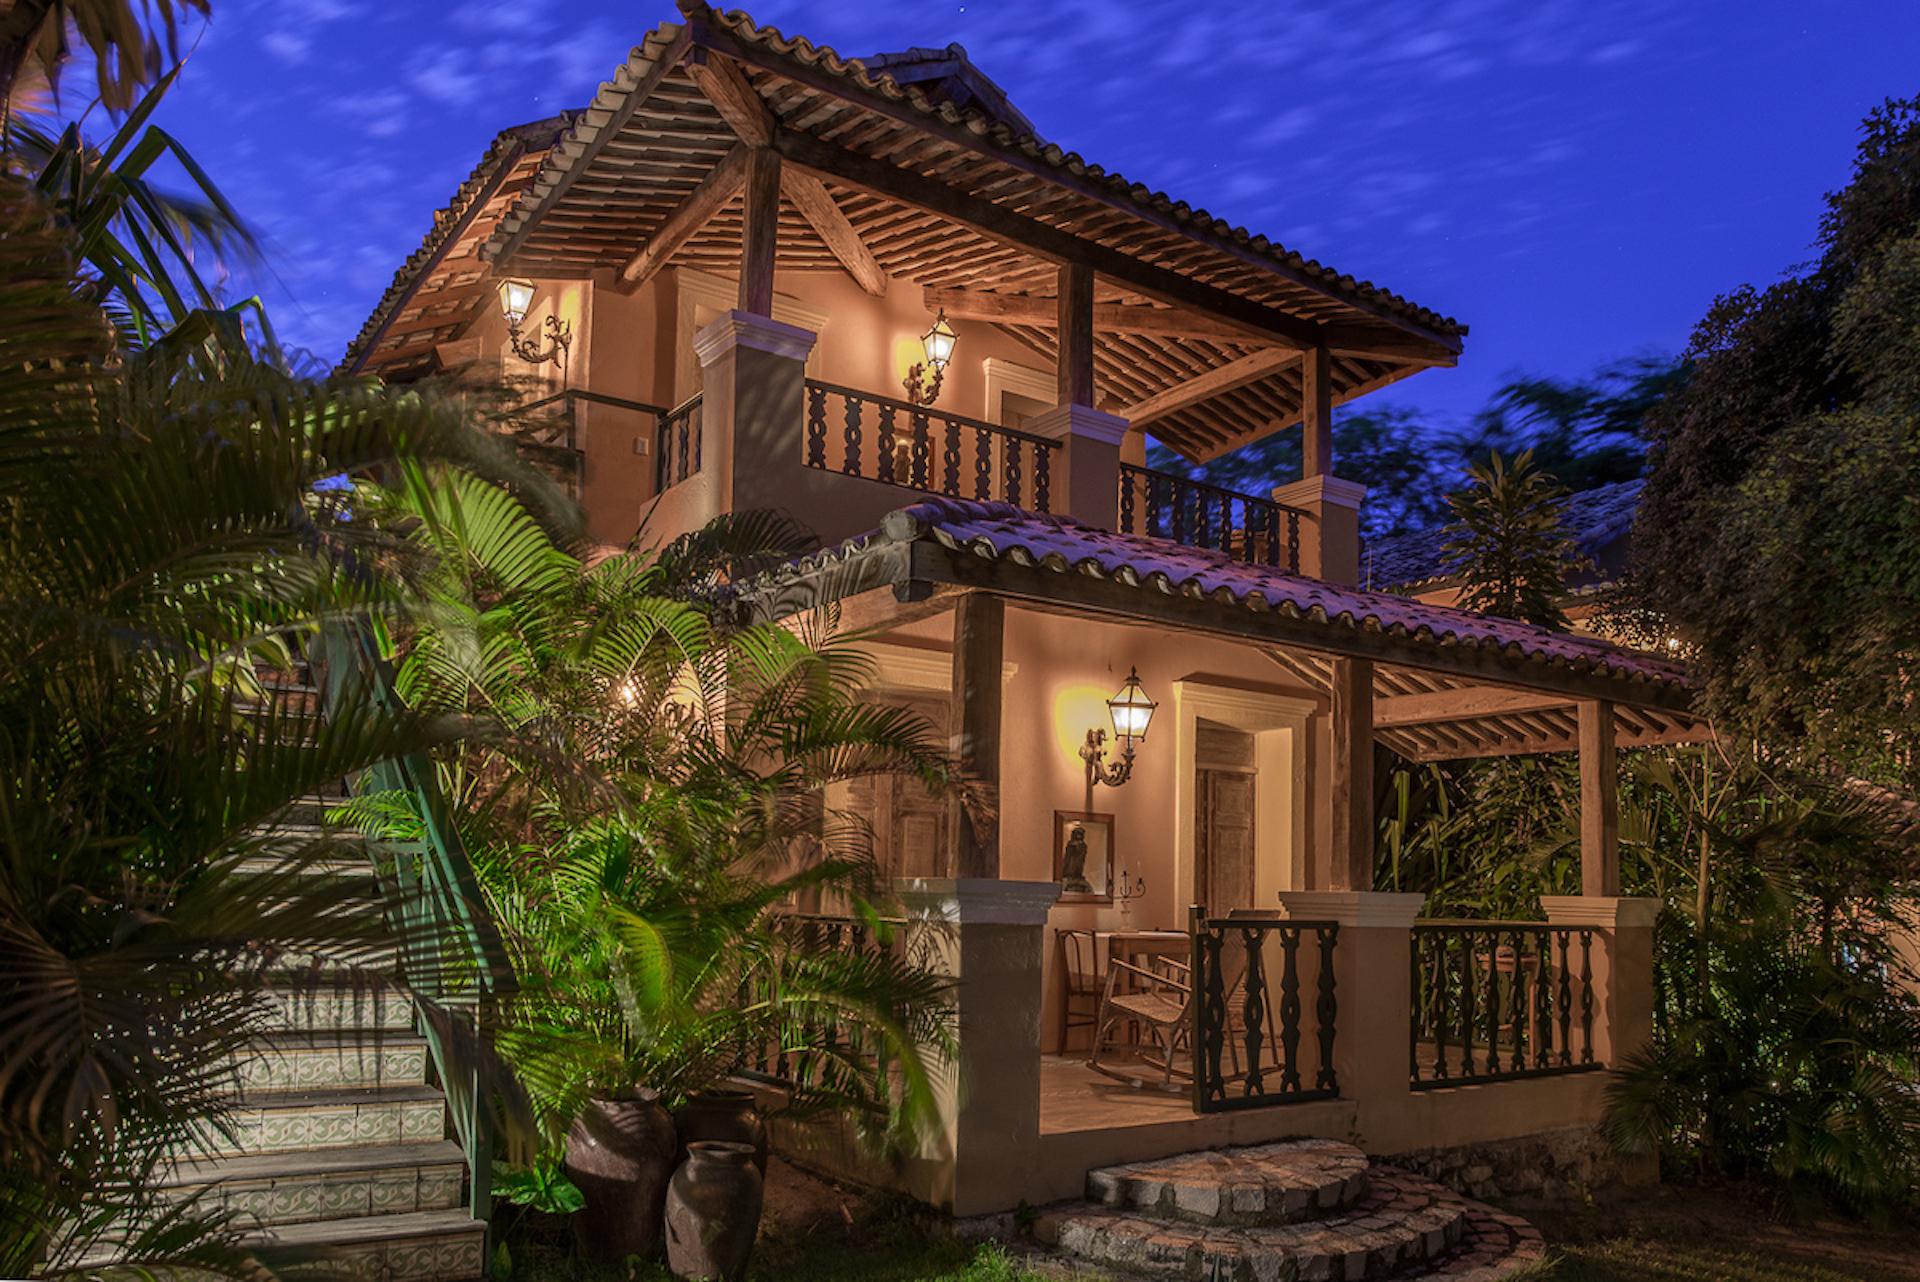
x,y
329,1184
1404,1222
326,1007
329,1119
422,1246
1261,1184
302,1061
1496,1246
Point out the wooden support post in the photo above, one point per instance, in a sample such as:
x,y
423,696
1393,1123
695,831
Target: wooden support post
x,y
1316,412
760,231
979,622
1075,322
1352,818
1599,801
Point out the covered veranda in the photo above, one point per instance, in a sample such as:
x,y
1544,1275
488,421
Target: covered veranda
x,y
1405,1033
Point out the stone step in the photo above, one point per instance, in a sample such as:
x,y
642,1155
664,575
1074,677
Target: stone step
x,y
296,1187
305,1061
1496,1246
421,1246
1404,1223
328,1119
324,1006
1261,1184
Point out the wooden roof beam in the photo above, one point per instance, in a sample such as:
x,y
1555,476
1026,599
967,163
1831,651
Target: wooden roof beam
x,y
1025,309
1460,704
816,204
1042,240
719,80
688,217
1221,378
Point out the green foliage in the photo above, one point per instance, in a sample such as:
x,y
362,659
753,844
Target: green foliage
x,y
1507,537
658,807
1777,534
128,42
1586,432
539,1186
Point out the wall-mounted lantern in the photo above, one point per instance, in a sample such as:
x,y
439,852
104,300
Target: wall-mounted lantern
x,y
1132,712
516,299
938,346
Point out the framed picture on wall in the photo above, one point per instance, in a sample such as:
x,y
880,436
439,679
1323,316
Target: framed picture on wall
x,y
1083,856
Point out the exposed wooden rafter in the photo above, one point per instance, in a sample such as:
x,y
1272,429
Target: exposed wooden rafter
x,y
810,196
688,218
1460,704
1026,309
1221,378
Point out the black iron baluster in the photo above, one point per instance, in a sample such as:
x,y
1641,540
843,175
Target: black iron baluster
x,y
1327,1009
1254,1010
1271,518
982,463
922,450
1042,477
1443,1004
1414,1005
1586,997
852,467
950,472
884,472
1467,1068
1289,1008
1566,1001
1126,500
1200,523
1493,1001
1010,451
1542,1030
1213,1019
1179,506
1151,526
1226,529
816,425
1517,989
660,446
1293,542
693,422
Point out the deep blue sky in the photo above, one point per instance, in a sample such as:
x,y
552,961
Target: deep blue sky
x,y
1575,179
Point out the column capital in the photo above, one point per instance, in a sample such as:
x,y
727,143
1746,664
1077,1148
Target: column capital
x,y
1064,422
1354,907
758,333
1315,491
977,901
1600,910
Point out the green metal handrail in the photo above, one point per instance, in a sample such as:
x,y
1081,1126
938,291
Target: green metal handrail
x,y
451,951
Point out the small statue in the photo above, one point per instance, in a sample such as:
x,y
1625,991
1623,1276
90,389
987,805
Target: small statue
x,y
1073,864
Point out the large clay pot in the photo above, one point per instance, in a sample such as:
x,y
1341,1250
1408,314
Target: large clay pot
x,y
620,1152
713,1211
723,1115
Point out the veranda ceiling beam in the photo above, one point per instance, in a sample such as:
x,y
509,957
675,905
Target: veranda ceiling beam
x,y
689,217
816,204
1459,705
1026,309
719,79
1221,378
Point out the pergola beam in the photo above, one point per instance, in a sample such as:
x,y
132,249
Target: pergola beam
x,y
816,204
1221,378
1459,705
692,214
1122,318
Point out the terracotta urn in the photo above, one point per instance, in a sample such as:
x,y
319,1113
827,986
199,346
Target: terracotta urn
x,y
723,1115
713,1212
620,1153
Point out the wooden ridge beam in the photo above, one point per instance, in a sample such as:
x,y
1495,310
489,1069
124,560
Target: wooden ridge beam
x,y
1221,378
688,217
719,80
1042,240
816,204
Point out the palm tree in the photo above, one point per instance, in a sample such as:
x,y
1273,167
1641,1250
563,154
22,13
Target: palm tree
x,y
126,51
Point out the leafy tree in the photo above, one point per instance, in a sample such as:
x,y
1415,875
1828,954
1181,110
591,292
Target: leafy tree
x,y
1507,537
1587,432
1777,534
127,41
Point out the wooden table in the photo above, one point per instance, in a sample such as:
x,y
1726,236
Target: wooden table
x,y
1138,946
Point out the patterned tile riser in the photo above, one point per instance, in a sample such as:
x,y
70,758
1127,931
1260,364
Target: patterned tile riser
x,y
284,1130
334,1012
443,1259
306,1070
342,1196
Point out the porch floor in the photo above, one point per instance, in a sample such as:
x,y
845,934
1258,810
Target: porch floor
x,y
1075,1098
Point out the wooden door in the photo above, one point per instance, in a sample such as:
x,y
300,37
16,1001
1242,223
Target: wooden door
x,y
1223,818
909,823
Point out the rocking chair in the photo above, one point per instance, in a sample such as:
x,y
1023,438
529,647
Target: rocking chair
x,y
1162,1002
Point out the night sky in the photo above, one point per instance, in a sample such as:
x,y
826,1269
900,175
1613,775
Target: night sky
x,y
1575,179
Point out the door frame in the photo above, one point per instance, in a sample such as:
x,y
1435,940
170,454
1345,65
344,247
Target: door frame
x,y
1278,723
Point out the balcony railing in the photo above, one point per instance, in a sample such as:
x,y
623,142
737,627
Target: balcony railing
x,y
1246,527
676,451
1248,1049
857,433
1498,1000
547,432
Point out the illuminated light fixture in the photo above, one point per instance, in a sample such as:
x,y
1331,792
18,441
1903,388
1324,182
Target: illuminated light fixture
x,y
937,343
1132,713
516,300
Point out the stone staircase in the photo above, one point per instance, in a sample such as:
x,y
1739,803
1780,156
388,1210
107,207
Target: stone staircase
x,y
1296,1211
338,1145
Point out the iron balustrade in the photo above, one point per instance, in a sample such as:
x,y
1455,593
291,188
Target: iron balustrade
x,y
676,454
1182,510
1493,1001
922,448
1247,1052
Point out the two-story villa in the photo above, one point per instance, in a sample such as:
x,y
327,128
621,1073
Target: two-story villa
x,y
866,292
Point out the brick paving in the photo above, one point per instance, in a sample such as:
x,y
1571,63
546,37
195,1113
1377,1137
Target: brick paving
x,y
1305,1211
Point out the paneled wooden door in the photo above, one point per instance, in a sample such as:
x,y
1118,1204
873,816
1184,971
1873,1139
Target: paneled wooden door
x,y
1223,843
909,823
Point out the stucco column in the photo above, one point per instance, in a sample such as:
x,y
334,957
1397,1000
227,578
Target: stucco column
x,y
1372,959
987,936
1330,530
1085,484
1622,967
753,410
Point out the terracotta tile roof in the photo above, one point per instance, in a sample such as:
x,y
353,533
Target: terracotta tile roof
x,y
1122,190
1417,558
1003,533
